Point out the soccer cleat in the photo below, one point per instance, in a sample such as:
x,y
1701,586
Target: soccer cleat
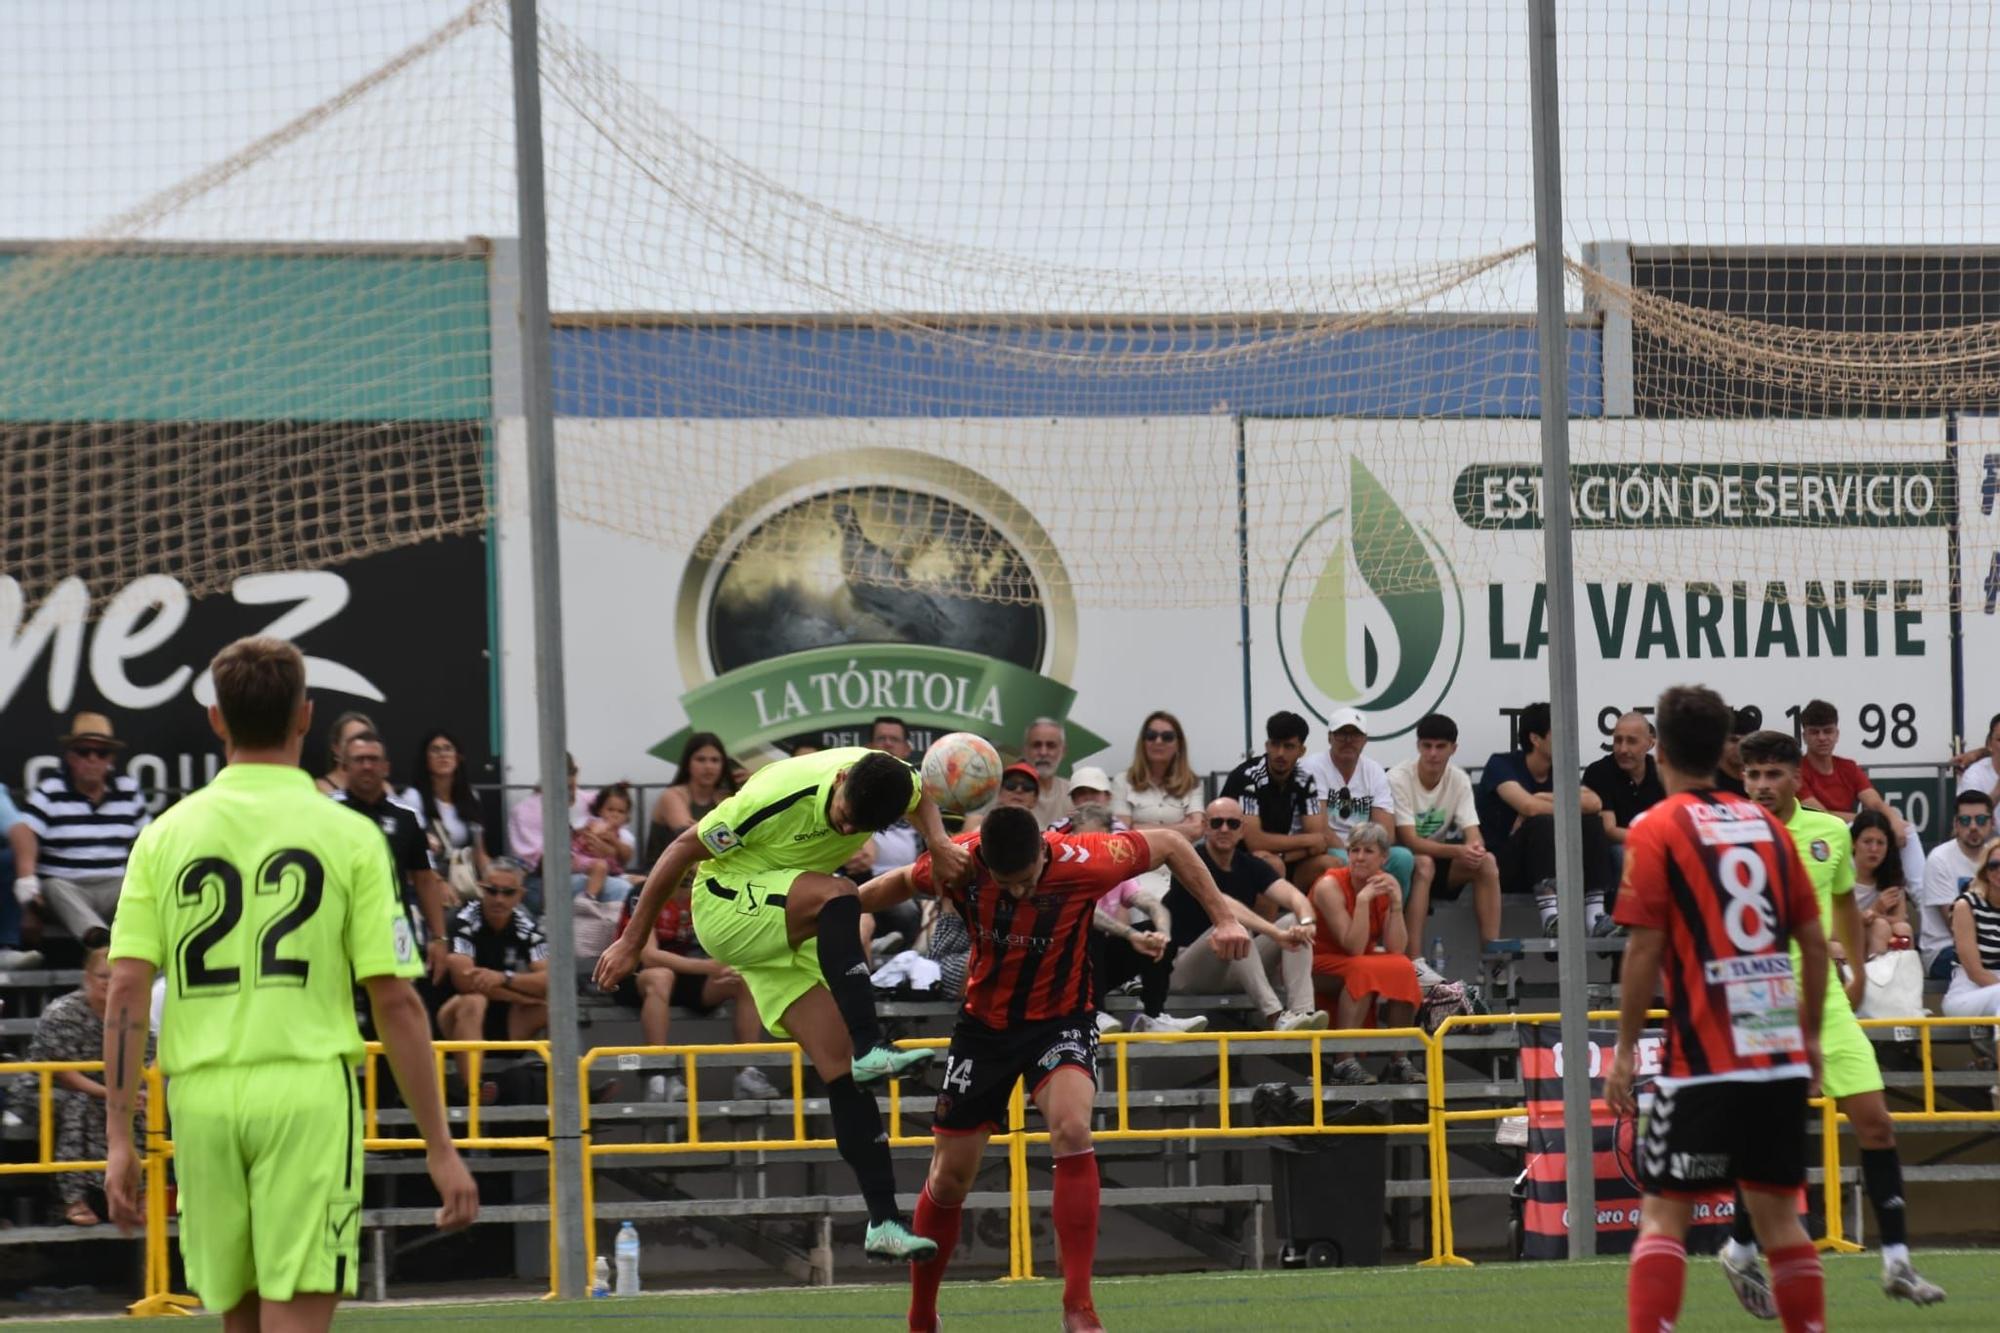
x,y
887,1062
1300,1020
1900,1282
891,1241
1082,1321
1551,927
1107,1024
752,1086
1401,1070
1606,928
1747,1280
1350,1072
1168,1023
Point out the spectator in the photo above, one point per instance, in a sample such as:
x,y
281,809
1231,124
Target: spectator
x,y
704,778
83,820
1975,930
1438,821
18,850
1517,816
1089,804
1020,785
1353,791
1160,788
1042,748
1879,886
499,966
1121,953
1840,786
673,971
1948,872
1978,770
337,736
1284,822
599,850
443,800
524,831
1729,774
1627,780
1279,919
72,1028
365,762
945,941
1361,951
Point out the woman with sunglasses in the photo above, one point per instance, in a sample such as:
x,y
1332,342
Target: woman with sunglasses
x,y
1975,929
1160,789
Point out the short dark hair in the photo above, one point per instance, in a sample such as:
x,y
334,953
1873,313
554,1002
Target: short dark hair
x,y
1693,727
1749,718
1437,727
1973,796
1534,721
1769,747
878,790
1285,725
1992,723
889,720
1819,713
259,684
621,790
1008,840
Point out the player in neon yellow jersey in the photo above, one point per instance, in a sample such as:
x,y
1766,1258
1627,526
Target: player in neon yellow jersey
x,y
262,901
767,903
1852,1077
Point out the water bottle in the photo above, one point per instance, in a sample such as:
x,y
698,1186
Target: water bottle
x,y
600,1278
627,1250
1437,955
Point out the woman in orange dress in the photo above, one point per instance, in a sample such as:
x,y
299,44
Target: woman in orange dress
x,y
1359,950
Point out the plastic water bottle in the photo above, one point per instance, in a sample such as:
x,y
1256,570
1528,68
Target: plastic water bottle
x,y
627,1250
1437,955
600,1278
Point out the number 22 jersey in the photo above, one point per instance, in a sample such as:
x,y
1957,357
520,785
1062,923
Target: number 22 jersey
x,y
1723,881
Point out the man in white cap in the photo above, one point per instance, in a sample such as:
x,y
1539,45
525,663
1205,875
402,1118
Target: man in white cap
x,y
1089,785
1355,790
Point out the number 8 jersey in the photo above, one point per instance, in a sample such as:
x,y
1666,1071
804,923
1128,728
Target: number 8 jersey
x,y
1723,881
262,902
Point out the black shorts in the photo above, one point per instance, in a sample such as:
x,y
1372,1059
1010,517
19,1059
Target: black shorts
x,y
1711,1135
686,993
982,1065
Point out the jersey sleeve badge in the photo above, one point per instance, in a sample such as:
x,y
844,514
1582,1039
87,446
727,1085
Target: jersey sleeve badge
x,y
719,838
406,944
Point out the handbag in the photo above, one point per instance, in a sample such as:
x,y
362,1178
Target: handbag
x,y
459,870
1895,985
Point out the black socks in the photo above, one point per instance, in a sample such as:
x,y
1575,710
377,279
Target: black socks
x,y
846,969
1882,1176
858,1133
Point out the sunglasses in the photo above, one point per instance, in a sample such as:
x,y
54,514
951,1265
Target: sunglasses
x,y
1974,821
1225,823
1989,867
495,892
1342,802
91,752
1162,735
1020,785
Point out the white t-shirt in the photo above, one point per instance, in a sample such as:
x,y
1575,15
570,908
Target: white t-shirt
x,y
1946,873
1979,775
895,846
1152,807
1367,790
1442,813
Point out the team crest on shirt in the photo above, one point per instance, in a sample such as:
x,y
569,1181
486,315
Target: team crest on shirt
x,y
1120,850
719,838
1820,851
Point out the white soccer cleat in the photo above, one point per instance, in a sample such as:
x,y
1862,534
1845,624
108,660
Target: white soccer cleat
x,y
1747,1280
1900,1282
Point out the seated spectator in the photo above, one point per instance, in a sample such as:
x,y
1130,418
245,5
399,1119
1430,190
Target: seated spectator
x,y
1627,780
1360,952
1879,886
1729,774
1517,816
1438,821
1975,929
15,923
1839,786
1089,796
673,971
1948,871
1284,818
1353,791
1277,915
1160,788
344,728
84,820
499,966
1043,746
944,940
1020,785
598,851
1978,769
443,800
524,830
72,1028
703,779
1119,951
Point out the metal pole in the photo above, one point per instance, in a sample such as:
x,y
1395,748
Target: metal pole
x,y
1243,569
538,408
1558,571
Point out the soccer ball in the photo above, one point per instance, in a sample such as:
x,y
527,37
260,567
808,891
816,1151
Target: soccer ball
x,y
961,771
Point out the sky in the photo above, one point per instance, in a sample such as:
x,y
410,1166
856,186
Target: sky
x,y
862,154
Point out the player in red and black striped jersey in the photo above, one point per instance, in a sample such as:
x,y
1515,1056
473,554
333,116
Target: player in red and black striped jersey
x,y
1715,895
1027,901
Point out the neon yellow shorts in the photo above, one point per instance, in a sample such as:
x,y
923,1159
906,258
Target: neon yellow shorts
x,y
1850,1057
739,917
268,1159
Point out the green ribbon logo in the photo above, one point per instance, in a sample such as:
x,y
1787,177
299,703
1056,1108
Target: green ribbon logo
x,y
852,684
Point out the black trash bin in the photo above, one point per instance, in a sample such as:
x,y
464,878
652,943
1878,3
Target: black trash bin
x,y
1330,1192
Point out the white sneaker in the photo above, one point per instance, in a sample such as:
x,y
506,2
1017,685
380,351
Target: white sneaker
x,y
1106,1024
1300,1020
669,1088
1168,1023
656,1088
1427,976
752,1086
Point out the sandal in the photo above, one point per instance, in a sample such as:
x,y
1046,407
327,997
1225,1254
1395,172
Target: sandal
x,y
80,1214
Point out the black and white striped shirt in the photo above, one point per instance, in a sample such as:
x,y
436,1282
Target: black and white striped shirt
x,y
80,838
1985,927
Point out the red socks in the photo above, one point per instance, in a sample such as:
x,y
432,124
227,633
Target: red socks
x,y
1799,1283
938,1222
1075,1214
1655,1283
